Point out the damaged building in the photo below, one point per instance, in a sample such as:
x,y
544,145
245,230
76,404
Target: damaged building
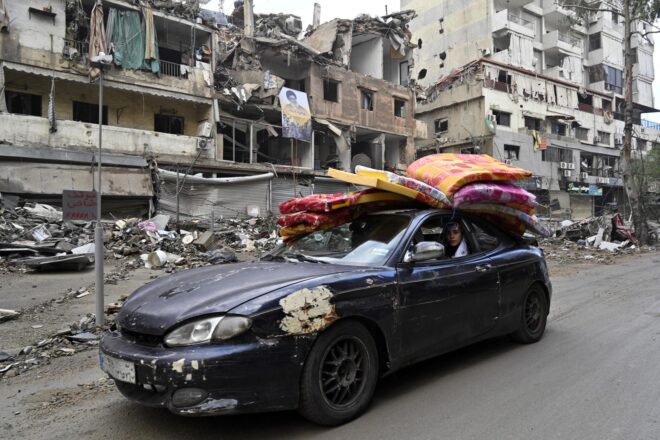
x,y
192,118
526,83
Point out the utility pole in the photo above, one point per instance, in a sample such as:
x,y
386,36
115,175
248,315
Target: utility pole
x,y
98,231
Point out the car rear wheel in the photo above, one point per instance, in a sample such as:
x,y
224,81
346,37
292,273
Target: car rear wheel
x,y
340,375
533,317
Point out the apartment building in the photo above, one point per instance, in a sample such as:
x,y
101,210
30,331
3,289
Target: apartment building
x,y
523,81
204,102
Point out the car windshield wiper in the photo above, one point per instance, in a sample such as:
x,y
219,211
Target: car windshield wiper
x,y
302,257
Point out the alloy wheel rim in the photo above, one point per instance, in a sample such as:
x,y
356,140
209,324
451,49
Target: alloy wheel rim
x,y
343,372
533,312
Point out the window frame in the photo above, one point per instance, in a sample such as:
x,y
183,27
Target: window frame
x,y
170,118
327,82
92,111
364,104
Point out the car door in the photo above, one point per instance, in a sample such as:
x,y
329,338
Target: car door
x,y
446,302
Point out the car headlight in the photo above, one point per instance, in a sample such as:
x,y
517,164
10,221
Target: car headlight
x,y
203,331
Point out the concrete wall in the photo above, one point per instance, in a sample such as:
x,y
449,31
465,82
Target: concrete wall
x,y
581,206
467,29
33,30
34,131
125,109
367,57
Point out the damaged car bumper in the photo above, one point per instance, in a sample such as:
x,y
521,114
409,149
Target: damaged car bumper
x,y
207,379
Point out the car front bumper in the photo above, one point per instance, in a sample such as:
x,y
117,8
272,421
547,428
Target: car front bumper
x,y
253,375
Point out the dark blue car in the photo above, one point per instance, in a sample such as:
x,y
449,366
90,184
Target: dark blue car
x,y
316,323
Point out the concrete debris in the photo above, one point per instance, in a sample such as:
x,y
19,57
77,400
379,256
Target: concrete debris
x,y
69,245
6,314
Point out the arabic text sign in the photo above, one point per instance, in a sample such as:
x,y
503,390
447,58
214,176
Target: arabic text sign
x,y
79,205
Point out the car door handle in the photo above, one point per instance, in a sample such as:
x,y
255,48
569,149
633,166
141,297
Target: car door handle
x,y
483,268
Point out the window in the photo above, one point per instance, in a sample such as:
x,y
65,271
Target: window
x,y
295,84
484,239
616,18
594,42
471,150
511,152
582,133
533,123
85,112
404,75
168,124
607,105
441,125
554,154
633,55
502,118
558,128
641,144
399,108
504,77
603,138
367,100
613,79
23,103
330,90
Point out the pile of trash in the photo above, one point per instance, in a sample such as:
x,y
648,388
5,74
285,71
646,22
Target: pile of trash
x,y
34,236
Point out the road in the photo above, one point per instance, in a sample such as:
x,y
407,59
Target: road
x,y
594,375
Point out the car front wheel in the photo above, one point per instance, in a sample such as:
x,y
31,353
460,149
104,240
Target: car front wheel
x,y
340,375
534,316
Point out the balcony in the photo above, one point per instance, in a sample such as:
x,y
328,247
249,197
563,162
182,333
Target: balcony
x,y
607,27
554,72
34,131
504,22
556,42
556,15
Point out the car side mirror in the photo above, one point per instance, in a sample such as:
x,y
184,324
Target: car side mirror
x,y
425,250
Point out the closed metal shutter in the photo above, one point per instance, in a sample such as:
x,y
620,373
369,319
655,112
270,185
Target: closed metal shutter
x,y
283,190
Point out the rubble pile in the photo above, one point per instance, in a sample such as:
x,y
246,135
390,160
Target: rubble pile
x,y
34,236
74,337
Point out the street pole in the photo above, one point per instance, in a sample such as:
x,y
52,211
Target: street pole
x,y
98,237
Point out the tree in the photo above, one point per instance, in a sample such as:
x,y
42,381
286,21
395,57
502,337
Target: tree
x,y
639,18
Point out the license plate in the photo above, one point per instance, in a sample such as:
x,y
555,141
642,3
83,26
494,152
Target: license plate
x,y
117,368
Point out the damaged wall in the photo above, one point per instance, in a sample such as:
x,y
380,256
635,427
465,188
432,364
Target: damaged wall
x,y
36,31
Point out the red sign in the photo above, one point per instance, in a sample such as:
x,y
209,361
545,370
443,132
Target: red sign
x,y
79,205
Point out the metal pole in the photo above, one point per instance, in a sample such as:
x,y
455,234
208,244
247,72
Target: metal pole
x,y
98,236
177,198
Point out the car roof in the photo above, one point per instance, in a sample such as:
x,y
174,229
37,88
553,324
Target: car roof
x,y
412,212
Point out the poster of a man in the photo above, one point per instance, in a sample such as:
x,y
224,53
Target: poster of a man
x,y
296,117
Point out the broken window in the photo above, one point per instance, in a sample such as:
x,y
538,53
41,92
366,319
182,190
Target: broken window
x,y
85,112
603,137
504,77
295,84
582,133
502,118
441,125
404,77
23,103
367,100
330,90
554,154
511,152
607,105
641,144
533,123
168,124
558,128
594,42
399,108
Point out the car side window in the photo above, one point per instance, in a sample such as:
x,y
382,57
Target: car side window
x,y
433,230
482,238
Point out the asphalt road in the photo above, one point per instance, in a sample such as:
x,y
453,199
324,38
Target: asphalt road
x,y
595,375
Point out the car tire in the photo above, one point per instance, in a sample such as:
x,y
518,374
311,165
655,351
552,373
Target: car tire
x,y
533,317
340,375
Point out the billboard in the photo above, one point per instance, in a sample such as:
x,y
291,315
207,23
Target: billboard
x,y
296,116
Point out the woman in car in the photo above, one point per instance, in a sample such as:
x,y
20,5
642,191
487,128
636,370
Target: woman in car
x,y
455,245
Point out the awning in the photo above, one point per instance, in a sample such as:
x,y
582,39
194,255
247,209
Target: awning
x,y
109,82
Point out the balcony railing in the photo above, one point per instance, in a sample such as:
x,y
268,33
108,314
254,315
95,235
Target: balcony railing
x,y
174,69
569,39
521,21
81,46
651,124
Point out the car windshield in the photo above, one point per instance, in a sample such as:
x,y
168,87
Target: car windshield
x,y
367,241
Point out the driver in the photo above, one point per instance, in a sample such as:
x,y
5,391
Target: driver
x,y
455,245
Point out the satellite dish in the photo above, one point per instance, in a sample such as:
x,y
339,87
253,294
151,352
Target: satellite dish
x,y
360,159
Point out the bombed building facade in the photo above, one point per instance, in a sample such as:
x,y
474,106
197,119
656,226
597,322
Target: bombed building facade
x,y
528,84
187,93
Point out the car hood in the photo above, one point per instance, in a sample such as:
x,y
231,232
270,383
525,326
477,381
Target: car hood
x,y
155,308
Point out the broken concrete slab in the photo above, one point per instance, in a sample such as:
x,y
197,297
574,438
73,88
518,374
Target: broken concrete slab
x,y
7,314
606,245
83,337
64,262
599,237
206,240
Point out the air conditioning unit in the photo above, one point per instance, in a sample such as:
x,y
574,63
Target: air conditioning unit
x,y
571,165
596,139
507,161
485,52
563,165
202,143
567,173
584,175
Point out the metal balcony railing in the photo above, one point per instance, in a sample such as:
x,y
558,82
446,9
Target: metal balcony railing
x,y
81,46
174,69
651,124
